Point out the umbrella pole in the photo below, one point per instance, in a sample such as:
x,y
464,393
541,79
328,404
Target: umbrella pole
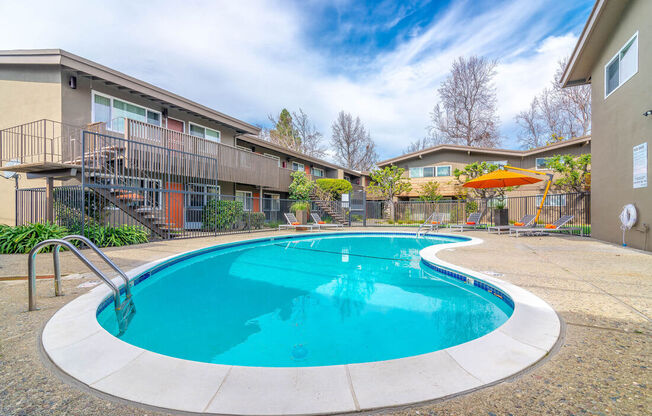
x,y
543,200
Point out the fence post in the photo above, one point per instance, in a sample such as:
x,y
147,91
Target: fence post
x,y
49,200
83,182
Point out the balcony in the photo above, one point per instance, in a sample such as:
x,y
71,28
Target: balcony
x,y
46,145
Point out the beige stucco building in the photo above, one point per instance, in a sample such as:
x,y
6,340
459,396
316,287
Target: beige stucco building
x,y
614,55
438,164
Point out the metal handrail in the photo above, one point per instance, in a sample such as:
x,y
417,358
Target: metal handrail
x,y
31,266
97,251
124,311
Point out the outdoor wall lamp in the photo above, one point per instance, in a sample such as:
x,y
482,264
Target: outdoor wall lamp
x,y
648,113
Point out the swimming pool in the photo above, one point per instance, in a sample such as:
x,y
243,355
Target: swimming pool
x,y
315,300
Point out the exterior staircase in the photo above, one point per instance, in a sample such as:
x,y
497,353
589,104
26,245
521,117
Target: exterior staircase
x,y
98,166
332,208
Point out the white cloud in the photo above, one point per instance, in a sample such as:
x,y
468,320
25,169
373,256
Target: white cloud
x,y
248,59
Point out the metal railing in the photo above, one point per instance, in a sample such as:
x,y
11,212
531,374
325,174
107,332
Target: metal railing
x,y
41,141
124,310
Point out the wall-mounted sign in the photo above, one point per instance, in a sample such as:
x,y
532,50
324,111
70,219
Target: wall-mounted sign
x,y
640,165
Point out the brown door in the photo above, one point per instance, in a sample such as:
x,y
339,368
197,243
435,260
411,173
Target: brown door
x,y
175,125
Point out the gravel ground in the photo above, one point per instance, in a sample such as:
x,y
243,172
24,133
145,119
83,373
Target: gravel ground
x,y
602,292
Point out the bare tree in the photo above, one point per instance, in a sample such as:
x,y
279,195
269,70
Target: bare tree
x,y
559,112
418,144
466,113
531,134
352,143
310,138
295,131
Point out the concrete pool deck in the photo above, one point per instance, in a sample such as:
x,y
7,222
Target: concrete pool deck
x,y
601,291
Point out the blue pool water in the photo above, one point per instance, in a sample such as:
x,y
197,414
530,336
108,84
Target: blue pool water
x,y
307,301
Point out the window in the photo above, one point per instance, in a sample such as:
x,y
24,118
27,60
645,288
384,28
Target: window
x,y
245,198
297,166
113,111
272,202
278,159
425,172
318,172
499,163
204,132
542,163
444,170
622,67
552,200
416,172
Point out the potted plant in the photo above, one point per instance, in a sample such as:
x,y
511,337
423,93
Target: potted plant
x,y
501,213
300,210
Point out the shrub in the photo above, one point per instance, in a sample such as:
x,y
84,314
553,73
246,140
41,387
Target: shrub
x,y
299,206
300,187
256,220
273,224
334,187
220,214
22,238
123,235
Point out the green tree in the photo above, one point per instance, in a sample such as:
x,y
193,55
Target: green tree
x,y
430,192
331,189
472,171
284,132
300,187
575,172
388,183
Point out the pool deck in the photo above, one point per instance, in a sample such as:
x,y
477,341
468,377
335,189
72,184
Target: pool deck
x,y
602,292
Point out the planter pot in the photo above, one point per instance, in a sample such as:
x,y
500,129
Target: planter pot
x,y
302,216
501,216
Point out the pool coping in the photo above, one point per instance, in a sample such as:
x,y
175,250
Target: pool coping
x,y
77,345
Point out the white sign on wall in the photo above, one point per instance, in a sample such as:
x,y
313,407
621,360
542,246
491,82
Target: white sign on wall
x,y
640,165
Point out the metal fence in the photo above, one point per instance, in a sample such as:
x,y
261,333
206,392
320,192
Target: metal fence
x,y
414,213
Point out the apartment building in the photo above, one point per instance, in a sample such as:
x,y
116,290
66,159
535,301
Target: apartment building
x,y
65,119
614,55
439,162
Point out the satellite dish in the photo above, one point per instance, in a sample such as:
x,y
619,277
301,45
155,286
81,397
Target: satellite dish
x,y
7,174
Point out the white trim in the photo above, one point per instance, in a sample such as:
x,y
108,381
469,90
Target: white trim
x,y
219,133
617,56
244,202
450,171
111,98
245,148
276,197
303,167
323,172
536,163
175,119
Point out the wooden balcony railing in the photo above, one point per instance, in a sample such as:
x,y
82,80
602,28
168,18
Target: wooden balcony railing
x,y
234,165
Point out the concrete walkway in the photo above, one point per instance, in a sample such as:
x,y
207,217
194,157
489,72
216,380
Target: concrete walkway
x,y
603,293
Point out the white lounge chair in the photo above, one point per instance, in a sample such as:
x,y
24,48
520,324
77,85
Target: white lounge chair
x,y
319,223
433,222
527,222
293,223
555,227
472,223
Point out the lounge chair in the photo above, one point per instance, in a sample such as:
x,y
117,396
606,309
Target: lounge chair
x,y
433,222
472,223
555,227
526,222
293,223
319,223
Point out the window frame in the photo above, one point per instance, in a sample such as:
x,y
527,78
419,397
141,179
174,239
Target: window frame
x,y
410,172
450,171
111,99
183,123
557,197
303,167
536,163
323,172
271,156
276,207
617,57
250,197
219,133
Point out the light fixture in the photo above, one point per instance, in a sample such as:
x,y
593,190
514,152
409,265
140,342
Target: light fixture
x,y
648,113
72,82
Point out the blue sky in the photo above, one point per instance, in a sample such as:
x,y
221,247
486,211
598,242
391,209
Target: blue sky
x,y
381,60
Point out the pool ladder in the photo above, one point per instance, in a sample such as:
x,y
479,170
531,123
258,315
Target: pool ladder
x,y
124,310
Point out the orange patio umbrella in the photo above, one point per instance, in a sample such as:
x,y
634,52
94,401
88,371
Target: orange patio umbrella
x,y
500,179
